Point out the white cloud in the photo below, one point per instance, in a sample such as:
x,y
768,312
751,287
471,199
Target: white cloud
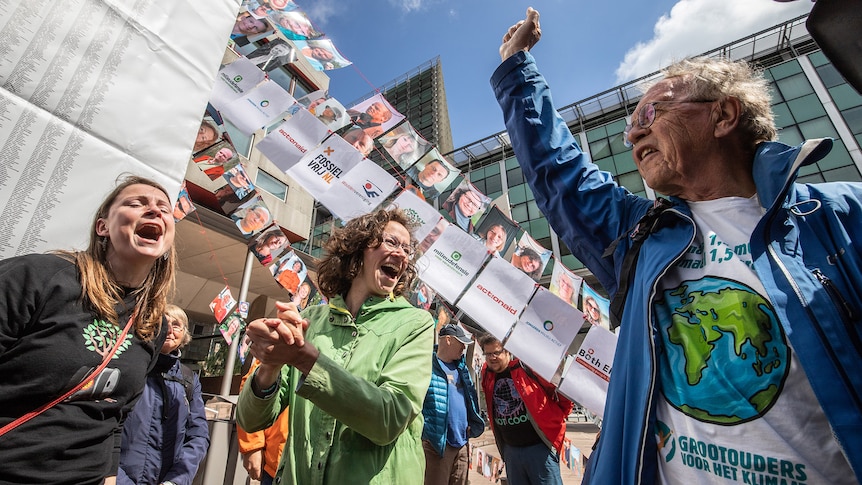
x,y
408,5
321,10
696,26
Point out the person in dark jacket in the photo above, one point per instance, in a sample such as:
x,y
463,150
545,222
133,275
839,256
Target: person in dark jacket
x,y
451,411
166,436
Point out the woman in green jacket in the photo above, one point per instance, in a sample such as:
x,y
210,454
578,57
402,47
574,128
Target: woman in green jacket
x,y
353,373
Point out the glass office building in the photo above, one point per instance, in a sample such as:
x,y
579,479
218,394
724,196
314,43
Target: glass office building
x,y
810,100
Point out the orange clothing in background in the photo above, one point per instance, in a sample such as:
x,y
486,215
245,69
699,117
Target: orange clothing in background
x,y
271,440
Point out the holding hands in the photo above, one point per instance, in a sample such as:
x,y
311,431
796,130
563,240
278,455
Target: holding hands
x,y
280,341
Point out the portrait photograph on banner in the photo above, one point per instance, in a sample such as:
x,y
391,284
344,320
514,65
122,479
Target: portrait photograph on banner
x,y
321,54
432,174
184,205
451,262
265,8
252,217
596,308
496,298
295,25
208,135
465,206
565,284
272,55
544,333
289,271
404,144
496,231
421,295
222,304
530,257
374,115
231,327
248,28
306,295
217,159
269,245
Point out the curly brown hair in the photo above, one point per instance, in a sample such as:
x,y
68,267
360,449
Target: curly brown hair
x,y
345,249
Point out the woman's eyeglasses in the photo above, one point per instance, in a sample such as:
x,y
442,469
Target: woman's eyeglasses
x,y
394,244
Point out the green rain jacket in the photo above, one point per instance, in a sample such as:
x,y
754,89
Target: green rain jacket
x,y
353,417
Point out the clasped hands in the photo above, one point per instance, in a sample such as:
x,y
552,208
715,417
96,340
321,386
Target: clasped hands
x,y
280,341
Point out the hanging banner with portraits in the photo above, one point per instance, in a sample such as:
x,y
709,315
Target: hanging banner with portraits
x,y
589,370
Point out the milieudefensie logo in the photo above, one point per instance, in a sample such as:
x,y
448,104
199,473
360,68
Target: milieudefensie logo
x,y
456,256
237,78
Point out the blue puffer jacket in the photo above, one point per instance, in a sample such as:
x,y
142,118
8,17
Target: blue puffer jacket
x,y
164,438
435,409
806,251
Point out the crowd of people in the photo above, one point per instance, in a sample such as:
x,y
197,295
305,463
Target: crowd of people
x,y
364,390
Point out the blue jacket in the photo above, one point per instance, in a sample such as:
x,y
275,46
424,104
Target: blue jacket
x,y
435,410
806,227
164,443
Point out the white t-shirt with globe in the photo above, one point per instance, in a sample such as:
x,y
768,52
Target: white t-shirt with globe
x,y
734,405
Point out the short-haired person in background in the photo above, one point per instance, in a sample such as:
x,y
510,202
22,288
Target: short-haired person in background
x,y
61,314
451,411
355,381
431,174
166,436
247,24
527,415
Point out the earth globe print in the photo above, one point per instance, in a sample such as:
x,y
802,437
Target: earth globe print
x,y
726,357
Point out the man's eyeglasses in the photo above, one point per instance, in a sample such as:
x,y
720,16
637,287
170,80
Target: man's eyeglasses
x,y
494,354
647,115
392,243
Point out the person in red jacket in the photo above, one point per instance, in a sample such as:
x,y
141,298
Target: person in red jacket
x,y
527,415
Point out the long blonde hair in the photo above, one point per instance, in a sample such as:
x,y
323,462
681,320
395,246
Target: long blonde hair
x,y
100,290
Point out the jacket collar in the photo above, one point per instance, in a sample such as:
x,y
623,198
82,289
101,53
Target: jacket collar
x,y
370,307
776,166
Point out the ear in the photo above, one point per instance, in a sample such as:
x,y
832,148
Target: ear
x,y
727,116
101,227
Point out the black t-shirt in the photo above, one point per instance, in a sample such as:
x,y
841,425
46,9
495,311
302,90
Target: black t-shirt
x,y
511,419
48,342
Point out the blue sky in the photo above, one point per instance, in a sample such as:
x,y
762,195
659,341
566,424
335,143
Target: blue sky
x,y
587,46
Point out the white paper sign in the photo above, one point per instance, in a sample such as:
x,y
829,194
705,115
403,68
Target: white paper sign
x,y
288,143
543,334
497,296
235,80
360,191
451,262
91,90
325,165
420,213
586,380
258,108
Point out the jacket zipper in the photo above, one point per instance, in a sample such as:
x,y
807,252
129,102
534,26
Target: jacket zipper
x,y
652,341
845,309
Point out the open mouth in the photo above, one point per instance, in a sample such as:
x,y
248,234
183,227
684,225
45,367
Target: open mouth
x,y
149,232
391,270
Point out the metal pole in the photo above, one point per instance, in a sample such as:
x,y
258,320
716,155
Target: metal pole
x,y
234,345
